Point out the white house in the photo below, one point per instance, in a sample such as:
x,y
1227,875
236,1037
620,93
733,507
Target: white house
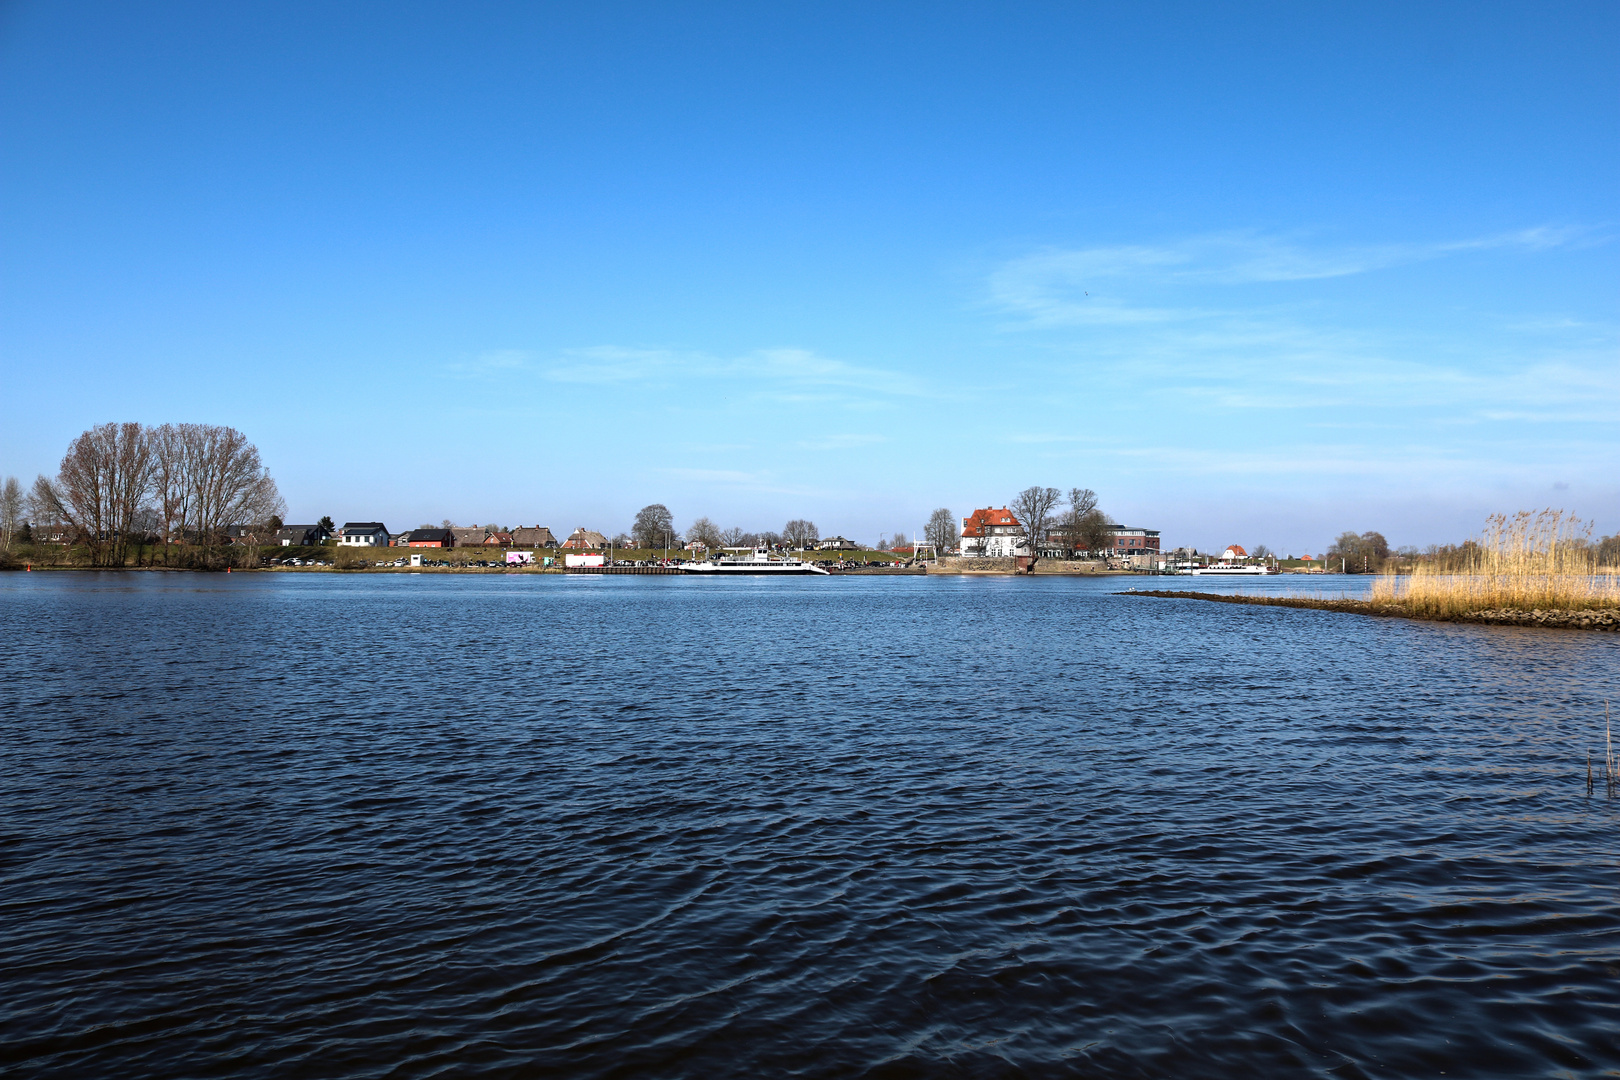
x,y
364,534
993,533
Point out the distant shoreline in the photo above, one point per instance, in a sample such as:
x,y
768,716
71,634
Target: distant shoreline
x,y
1561,620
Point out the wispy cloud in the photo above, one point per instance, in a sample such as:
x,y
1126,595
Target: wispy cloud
x,y
491,363
847,441
1102,285
791,374
786,374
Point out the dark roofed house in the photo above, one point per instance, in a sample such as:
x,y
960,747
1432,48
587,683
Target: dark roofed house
x,y
300,535
364,534
246,534
436,538
537,536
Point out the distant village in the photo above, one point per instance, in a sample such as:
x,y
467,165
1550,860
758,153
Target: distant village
x,y
198,495
989,533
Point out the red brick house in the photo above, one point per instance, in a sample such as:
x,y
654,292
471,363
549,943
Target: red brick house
x,y
429,538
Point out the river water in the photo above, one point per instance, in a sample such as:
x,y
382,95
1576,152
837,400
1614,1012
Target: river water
x,y
416,825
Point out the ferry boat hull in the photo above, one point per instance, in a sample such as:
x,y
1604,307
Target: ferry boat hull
x,y
760,562
771,571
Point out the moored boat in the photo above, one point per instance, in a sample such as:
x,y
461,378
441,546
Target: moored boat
x,y
760,561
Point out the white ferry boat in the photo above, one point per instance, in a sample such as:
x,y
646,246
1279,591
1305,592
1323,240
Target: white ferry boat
x,y
1228,569
761,561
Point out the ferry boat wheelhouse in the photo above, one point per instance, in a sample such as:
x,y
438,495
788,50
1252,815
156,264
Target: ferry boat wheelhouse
x,y
760,561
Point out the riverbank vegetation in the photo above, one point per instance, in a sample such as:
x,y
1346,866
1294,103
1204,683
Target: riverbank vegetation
x,y
1525,569
1523,562
192,494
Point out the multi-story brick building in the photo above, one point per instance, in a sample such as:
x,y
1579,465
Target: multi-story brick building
x,y
1129,540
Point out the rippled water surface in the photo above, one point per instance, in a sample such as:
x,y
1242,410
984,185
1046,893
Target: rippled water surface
x,y
401,826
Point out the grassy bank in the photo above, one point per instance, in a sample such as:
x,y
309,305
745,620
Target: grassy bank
x,y
174,556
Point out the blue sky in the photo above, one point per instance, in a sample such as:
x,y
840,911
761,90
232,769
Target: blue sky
x,y
1256,274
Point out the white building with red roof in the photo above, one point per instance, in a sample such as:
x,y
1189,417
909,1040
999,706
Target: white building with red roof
x,y
993,533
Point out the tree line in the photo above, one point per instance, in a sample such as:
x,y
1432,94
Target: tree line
x,y
198,490
654,527
1370,553
1074,523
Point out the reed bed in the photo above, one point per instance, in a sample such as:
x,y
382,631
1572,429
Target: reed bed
x,y
1523,562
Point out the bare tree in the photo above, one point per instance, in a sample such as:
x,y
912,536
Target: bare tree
x,y
1081,502
226,485
1095,532
705,532
941,530
208,478
171,482
800,533
1033,508
654,527
736,537
100,487
11,511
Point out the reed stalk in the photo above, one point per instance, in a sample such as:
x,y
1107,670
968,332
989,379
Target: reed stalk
x,y
1523,562
1608,753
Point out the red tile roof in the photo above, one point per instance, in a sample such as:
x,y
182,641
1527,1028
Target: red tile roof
x,y
975,523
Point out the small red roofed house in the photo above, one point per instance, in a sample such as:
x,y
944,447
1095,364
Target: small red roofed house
x,y
1234,552
993,533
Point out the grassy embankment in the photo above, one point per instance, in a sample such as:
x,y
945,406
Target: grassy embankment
x,y
1525,570
65,556
352,558
61,556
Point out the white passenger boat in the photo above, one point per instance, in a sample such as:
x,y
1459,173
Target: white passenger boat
x,y
761,561
1228,569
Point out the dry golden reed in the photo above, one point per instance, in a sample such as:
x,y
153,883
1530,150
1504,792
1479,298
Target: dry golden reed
x,y
1526,562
